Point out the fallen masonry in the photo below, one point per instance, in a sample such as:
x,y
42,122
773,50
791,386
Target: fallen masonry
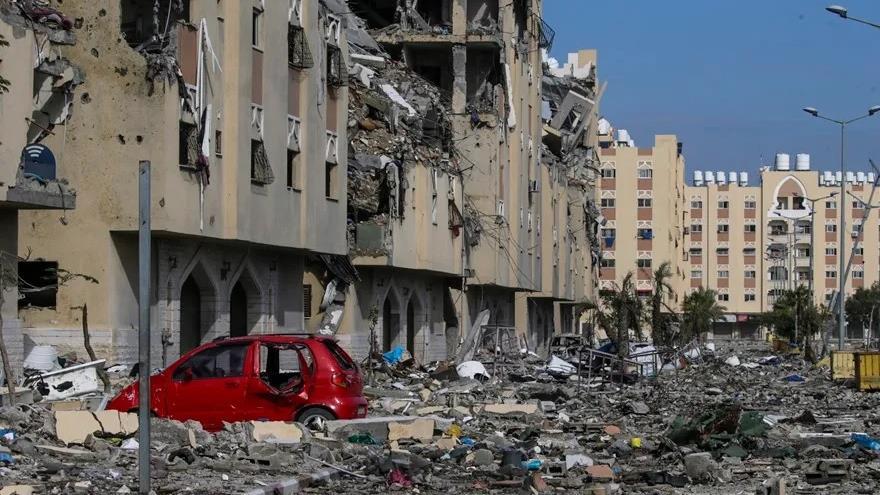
x,y
709,427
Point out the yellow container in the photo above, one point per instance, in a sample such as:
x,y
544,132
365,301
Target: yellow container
x,y
843,365
780,345
867,370
635,442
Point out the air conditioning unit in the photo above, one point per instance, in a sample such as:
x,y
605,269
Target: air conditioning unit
x,y
533,186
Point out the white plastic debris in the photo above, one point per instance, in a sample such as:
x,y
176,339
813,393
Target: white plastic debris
x,y
396,98
559,365
732,361
471,369
42,358
129,444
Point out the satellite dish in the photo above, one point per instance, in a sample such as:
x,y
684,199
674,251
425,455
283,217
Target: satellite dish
x,y
38,160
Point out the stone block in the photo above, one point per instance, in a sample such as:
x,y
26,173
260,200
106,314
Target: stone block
x,y
419,429
274,432
75,426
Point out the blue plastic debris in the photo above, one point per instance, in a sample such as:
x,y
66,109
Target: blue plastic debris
x,y
532,464
394,355
794,377
865,441
467,441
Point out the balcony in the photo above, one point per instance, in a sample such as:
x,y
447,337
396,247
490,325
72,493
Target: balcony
x,y
36,186
802,262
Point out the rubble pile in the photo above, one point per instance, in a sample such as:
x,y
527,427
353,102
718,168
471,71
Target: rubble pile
x,y
709,427
497,422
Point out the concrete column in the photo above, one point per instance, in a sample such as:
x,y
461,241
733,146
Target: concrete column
x,y
459,17
459,84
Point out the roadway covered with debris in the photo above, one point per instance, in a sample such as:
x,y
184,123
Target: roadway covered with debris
x,y
736,420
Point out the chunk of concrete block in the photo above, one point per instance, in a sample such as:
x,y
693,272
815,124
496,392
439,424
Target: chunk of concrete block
x,y
419,429
17,490
601,472
511,409
274,432
75,426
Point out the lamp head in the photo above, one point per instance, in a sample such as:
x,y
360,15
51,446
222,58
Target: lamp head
x,y
837,9
812,111
874,109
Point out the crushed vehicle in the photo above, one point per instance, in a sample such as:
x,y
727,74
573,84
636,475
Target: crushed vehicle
x,y
304,378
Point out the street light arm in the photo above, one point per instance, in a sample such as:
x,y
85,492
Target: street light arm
x,y
869,23
850,121
838,122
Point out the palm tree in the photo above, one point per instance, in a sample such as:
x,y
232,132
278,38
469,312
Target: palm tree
x,y
700,311
660,320
624,313
794,315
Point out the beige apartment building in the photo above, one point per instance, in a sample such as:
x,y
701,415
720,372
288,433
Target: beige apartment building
x,y
640,198
35,95
750,242
241,108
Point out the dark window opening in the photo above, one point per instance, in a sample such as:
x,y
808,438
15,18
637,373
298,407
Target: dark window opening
x,y
298,53
261,172
307,301
437,13
37,284
218,143
138,25
330,180
188,144
256,28
484,75
482,16
336,71
433,65
377,13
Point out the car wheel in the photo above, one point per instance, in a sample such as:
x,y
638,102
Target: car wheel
x,y
315,418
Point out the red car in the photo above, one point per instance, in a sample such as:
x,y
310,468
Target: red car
x,y
309,379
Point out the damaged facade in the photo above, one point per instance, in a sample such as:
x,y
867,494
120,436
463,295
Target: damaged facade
x,y
246,138
38,85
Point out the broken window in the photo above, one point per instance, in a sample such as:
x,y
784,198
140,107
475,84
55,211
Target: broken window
x,y
139,24
188,144
336,71
37,284
437,13
482,16
433,64
261,172
377,13
281,366
298,54
223,361
484,76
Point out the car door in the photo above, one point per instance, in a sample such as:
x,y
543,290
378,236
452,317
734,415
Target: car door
x,y
281,385
210,387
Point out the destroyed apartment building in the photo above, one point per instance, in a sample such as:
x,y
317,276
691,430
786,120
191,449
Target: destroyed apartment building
x,y
38,100
363,189
246,138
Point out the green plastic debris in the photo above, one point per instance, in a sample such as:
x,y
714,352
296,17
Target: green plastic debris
x,y
751,424
362,438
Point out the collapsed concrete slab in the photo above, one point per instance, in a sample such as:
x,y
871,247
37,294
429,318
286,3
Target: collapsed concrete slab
x,y
72,427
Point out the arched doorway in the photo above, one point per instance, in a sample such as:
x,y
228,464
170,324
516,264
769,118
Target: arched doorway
x,y
390,323
190,315
238,311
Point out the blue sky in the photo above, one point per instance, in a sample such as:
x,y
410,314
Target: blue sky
x,y
730,77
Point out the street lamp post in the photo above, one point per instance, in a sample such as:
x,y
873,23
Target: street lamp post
x,y
841,294
813,236
843,13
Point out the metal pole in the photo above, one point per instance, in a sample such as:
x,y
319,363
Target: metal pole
x,y
144,251
812,245
841,294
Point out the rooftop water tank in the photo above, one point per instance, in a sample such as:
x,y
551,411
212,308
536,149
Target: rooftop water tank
x,y
623,135
710,177
870,177
802,161
861,177
838,177
721,177
743,178
782,161
821,180
698,177
850,177
829,177
604,127
731,177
